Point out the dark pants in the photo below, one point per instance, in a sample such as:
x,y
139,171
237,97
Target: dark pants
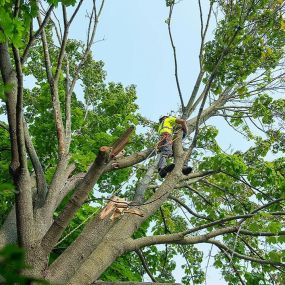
x,y
165,149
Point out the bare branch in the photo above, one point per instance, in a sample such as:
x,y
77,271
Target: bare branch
x,y
178,238
144,182
37,33
145,265
178,201
54,93
174,56
89,43
245,257
40,178
81,193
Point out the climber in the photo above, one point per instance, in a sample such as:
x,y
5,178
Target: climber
x,y
165,130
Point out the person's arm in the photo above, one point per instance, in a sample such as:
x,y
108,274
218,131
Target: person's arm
x,y
183,125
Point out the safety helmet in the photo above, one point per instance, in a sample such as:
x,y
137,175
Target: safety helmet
x,y
161,118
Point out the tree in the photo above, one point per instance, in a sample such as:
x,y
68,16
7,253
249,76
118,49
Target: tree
x,y
60,152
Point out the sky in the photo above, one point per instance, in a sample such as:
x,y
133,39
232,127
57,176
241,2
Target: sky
x,y
132,40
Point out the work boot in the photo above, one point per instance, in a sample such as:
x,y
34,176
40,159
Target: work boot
x,y
187,170
162,172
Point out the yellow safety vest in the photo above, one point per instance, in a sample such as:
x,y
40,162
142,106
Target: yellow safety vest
x,y
167,125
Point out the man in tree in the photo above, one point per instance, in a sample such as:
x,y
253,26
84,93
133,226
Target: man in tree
x,y
165,129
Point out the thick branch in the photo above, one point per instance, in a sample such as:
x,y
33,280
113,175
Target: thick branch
x,y
80,194
24,206
177,238
41,182
78,198
144,182
54,93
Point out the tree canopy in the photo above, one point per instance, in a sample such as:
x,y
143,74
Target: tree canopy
x,y
60,175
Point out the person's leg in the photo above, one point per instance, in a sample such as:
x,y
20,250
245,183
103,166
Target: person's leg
x,y
162,162
165,149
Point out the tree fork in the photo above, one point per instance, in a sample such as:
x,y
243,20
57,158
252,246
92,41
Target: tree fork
x,y
81,193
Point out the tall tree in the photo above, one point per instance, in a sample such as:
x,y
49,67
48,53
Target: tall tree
x,y
63,148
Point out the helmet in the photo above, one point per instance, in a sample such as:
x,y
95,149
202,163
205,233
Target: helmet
x,y
161,118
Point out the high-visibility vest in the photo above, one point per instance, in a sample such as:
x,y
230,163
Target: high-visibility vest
x,y
167,125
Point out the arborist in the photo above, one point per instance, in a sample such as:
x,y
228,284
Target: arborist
x,y
165,130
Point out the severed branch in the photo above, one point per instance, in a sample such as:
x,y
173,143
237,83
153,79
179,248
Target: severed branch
x,y
79,196
77,199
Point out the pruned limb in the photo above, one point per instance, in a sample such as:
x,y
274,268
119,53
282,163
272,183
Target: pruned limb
x,y
120,144
80,195
131,160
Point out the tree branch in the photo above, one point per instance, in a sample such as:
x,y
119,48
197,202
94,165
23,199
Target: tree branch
x,y
54,93
80,195
145,265
174,56
37,33
178,201
177,238
245,257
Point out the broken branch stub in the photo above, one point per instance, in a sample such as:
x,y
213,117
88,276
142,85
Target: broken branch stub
x,y
118,145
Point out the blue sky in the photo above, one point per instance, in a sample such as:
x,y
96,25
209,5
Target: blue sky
x,y
136,50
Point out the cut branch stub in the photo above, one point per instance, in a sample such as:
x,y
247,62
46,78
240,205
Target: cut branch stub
x,y
82,190
121,142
